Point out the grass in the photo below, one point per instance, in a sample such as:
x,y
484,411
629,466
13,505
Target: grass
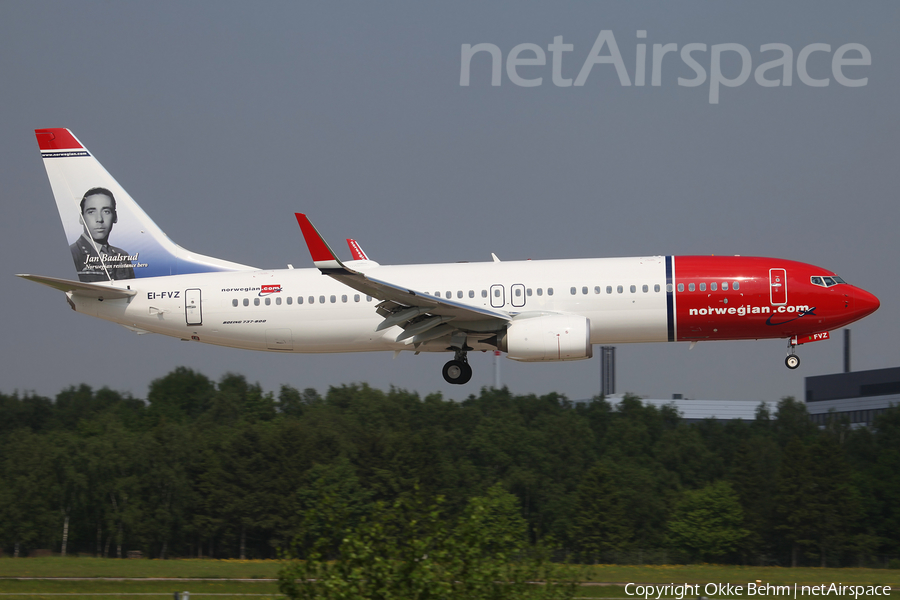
x,y
735,574
107,590
185,572
107,567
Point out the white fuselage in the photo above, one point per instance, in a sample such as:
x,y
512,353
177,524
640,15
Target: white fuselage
x,y
302,310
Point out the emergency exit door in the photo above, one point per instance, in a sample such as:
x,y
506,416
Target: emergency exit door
x,y
193,314
778,287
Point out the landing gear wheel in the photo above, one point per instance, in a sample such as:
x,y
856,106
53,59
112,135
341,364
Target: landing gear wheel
x,y
457,372
792,361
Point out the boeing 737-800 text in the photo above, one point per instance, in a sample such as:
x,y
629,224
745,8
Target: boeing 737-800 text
x,y
535,310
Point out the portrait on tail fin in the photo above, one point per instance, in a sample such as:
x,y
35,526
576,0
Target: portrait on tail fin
x,y
105,214
95,258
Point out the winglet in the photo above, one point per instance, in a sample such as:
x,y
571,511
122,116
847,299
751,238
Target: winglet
x,y
323,256
356,250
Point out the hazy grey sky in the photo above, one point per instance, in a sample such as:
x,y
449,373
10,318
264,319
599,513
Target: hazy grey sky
x,y
222,119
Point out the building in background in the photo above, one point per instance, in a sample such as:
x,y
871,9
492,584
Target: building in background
x,y
857,396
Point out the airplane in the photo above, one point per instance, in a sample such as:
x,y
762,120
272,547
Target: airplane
x,y
533,310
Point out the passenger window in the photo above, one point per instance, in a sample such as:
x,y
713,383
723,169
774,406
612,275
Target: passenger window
x,y
299,299
690,287
268,301
540,292
528,292
724,286
619,289
656,288
290,300
596,289
356,297
344,298
437,294
256,302
518,292
680,287
713,286
736,286
459,294
645,289
246,302
703,287
484,293
572,291
471,293
584,290
633,289
321,299
234,302
278,301
312,299
333,299
449,295
609,289
549,291
368,298
497,293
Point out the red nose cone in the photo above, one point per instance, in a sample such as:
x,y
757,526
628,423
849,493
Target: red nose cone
x,y
865,303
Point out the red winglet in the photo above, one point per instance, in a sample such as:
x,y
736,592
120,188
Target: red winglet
x,y
56,139
356,250
317,246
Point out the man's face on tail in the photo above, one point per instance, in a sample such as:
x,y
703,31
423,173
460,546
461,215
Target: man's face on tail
x,y
99,216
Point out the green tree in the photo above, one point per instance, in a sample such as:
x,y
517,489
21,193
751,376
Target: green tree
x,y
181,395
708,522
332,503
165,486
751,476
407,550
27,503
817,503
603,526
291,402
884,482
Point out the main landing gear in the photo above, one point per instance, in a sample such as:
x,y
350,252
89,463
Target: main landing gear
x,y
457,371
792,361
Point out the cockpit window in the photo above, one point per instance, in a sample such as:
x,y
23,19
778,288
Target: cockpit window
x,y
826,281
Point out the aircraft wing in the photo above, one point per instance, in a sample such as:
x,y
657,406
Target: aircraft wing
x,y
91,290
418,312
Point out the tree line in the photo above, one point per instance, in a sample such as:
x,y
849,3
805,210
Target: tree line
x,y
226,469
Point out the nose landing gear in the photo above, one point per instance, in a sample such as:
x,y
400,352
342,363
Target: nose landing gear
x,y
457,371
792,361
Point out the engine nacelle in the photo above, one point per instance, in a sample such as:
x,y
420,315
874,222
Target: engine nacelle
x,y
548,337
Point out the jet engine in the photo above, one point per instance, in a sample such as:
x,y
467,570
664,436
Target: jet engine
x,y
547,337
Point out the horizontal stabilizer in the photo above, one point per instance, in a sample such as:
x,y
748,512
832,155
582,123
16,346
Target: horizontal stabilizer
x,y
89,290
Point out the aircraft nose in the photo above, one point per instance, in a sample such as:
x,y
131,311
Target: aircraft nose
x,y
865,303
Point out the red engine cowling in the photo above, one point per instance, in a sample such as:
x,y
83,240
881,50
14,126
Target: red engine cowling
x,y
548,337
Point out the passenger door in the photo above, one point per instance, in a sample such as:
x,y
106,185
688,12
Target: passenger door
x,y
778,287
193,313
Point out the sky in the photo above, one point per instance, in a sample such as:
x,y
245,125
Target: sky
x,y
221,119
